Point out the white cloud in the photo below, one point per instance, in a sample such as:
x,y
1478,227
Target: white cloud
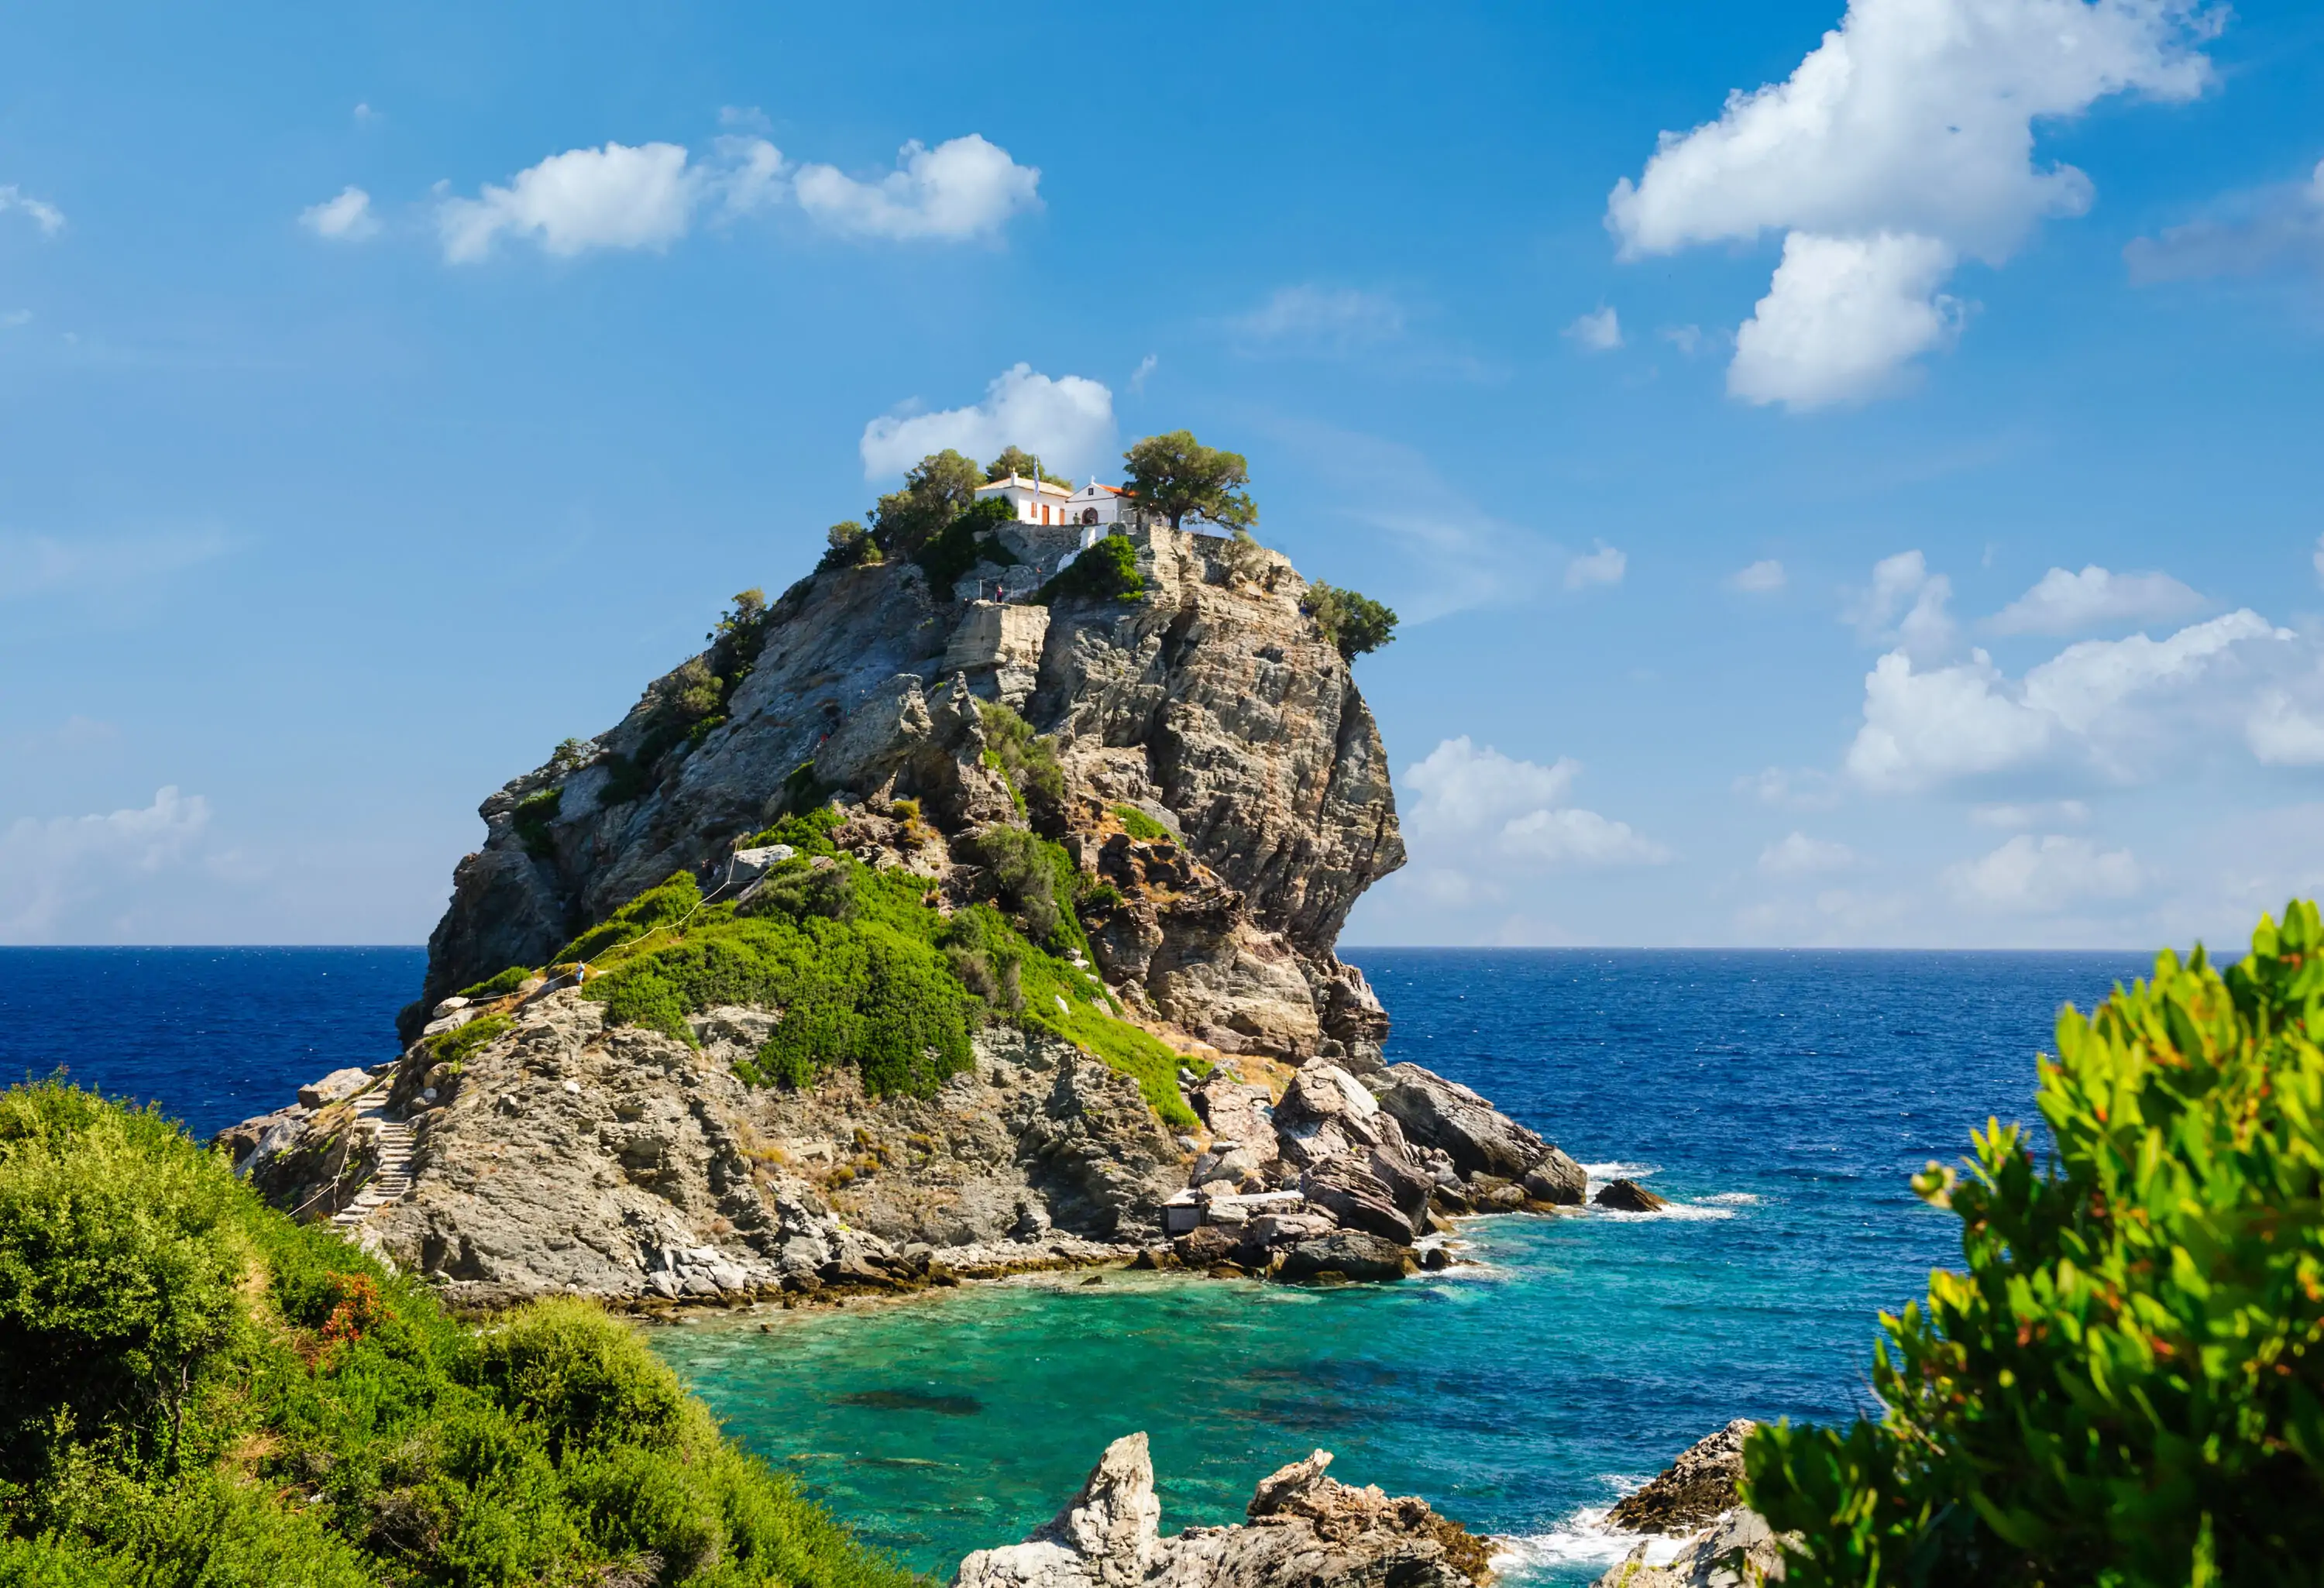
x,y
1905,606
2282,732
1605,566
2034,875
962,188
42,214
2030,816
68,872
1334,317
346,218
2069,604
616,197
1843,319
1687,339
2101,703
1600,331
1477,809
1797,854
1798,789
1068,421
2276,227
1145,368
1761,579
1902,142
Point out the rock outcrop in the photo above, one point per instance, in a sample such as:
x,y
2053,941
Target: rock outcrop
x,y
1213,704
1303,1527
1699,1498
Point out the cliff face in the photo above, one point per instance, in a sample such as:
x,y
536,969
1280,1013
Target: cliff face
x,y
1211,707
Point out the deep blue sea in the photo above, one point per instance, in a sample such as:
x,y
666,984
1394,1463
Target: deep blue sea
x,y
1781,1099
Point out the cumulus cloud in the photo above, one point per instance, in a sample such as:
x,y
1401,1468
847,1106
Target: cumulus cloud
x,y
72,873
1479,808
1905,606
1902,143
346,218
1604,566
1600,331
2282,732
2105,706
962,188
40,212
1843,319
2031,875
1797,854
616,197
2030,816
1332,317
2279,227
1068,421
2070,604
1763,577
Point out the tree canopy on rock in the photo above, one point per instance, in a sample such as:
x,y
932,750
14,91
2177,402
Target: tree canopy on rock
x,y
1354,623
1016,460
1177,476
937,489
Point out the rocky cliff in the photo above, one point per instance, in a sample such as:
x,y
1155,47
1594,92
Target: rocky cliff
x,y
1212,706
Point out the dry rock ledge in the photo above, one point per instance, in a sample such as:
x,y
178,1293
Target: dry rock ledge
x,y
1304,1528
1697,1501
568,1155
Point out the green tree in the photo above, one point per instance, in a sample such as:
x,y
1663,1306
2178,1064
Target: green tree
x,y
1177,476
1016,460
937,489
1354,623
848,544
2126,1385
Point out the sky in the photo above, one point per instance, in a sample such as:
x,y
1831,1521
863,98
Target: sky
x,y
1847,476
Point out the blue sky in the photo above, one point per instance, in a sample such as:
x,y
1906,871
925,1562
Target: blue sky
x,y
388,392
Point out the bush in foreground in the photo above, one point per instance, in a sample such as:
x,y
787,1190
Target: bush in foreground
x,y
2126,1387
194,1391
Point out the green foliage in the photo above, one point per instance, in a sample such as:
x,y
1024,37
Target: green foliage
x,y
863,971
1107,571
1354,623
570,756
531,819
938,490
1025,758
508,980
808,832
947,557
1178,476
1016,460
686,704
456,1045
848,544
2126,1385
196,1392
1140,826
673,899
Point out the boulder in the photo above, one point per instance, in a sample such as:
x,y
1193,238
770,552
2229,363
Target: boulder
x,y
1357,1198
1444,1114
334,1087
1408,1184
1199,1248
1303,1527
1739,1550
1352,1253
1629,1196
1558,1179
1693,1491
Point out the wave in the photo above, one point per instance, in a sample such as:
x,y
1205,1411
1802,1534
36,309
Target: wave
x,y
1685,1211
1580,1539
1619,1171
1736,1199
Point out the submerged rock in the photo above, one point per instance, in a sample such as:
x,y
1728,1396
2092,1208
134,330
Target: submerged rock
x,y
1304,1528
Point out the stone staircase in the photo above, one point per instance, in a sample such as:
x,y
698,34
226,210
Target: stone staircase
x,y
391,1182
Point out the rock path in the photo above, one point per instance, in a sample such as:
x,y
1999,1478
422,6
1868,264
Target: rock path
x,y
391,1182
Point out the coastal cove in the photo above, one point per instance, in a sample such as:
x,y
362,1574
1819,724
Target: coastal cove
x,y
1780,1100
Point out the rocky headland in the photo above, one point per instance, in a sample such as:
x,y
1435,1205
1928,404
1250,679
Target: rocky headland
x,y
901,938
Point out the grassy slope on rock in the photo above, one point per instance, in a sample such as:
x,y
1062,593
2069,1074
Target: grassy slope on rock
x,y
865,971
195,1391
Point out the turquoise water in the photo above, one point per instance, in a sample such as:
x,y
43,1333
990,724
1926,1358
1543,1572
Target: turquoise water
x,y
1781,1099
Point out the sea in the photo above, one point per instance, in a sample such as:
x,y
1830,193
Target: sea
x,y
1780,1101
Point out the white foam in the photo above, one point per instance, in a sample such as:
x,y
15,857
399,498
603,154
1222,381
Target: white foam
x,y
1583,1539
1685,1211
1734,1199
1618,1171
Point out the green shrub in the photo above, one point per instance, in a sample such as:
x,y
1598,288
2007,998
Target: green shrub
x,y
2125,1387
531,821
675,898
947,557
144,1289
1354,623
848,544
459,1045
1037,880
809,832
1107,571
1140,826
1026,759
508,980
